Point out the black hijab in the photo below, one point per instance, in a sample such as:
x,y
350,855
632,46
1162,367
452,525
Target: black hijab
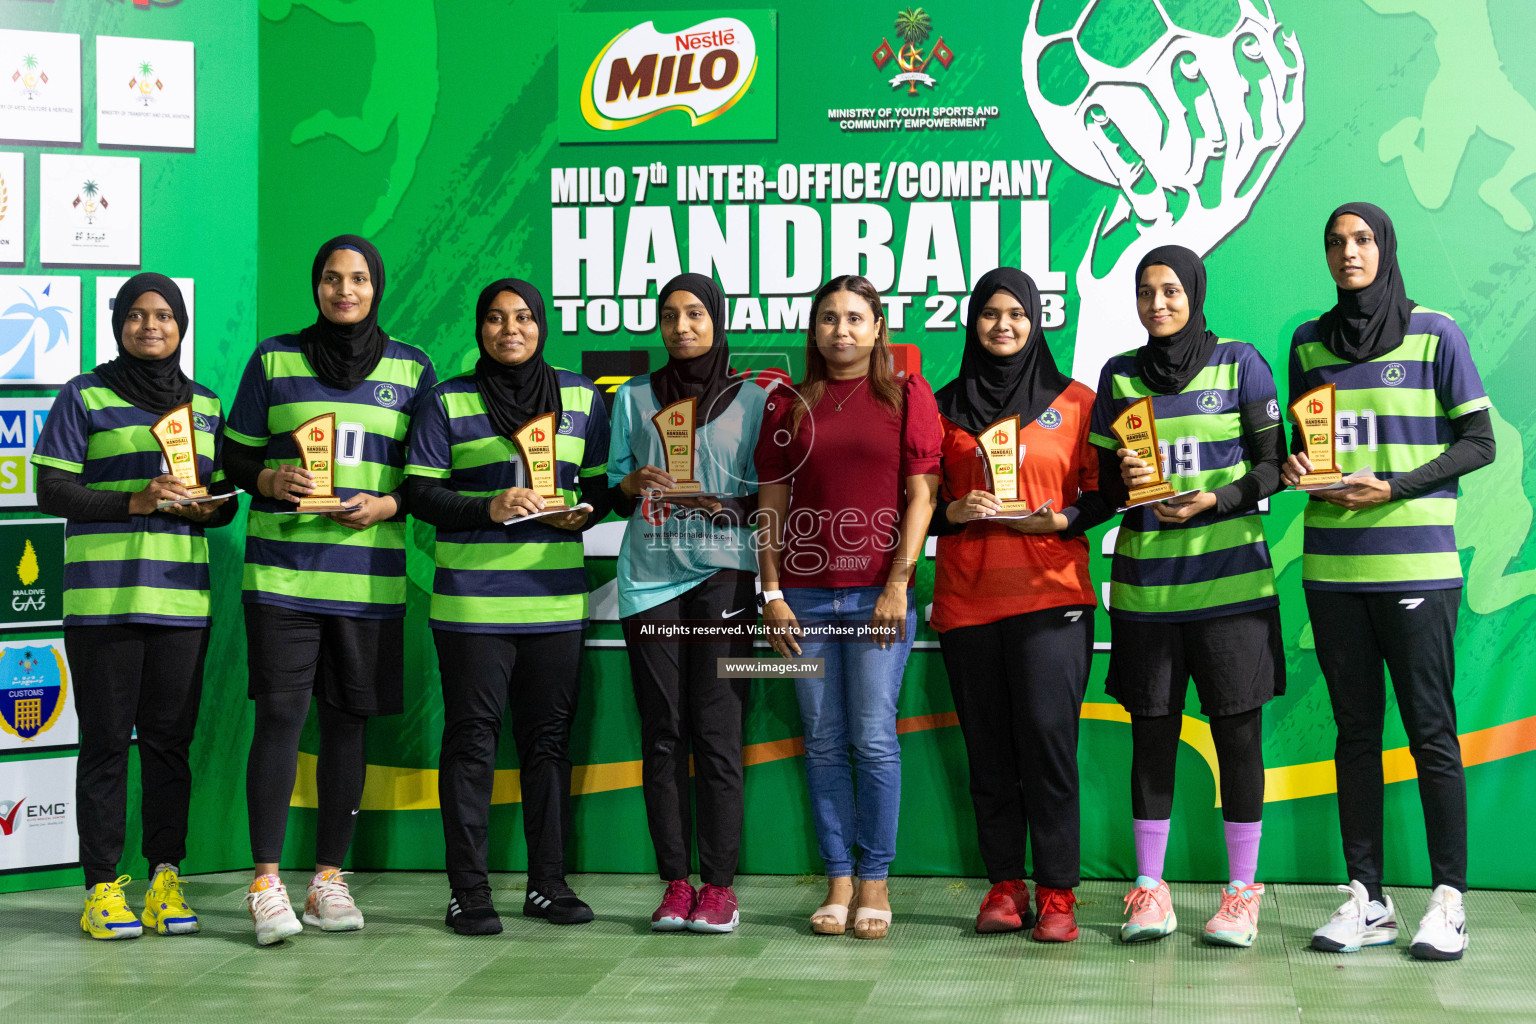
x,y
1370,321
343,355
515,394
154,385
708,376
1167,365
991,387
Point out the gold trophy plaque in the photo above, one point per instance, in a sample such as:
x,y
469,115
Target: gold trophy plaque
x,y
676,424
1137,430
175,434
316,439
1000,445
1313,413
536,441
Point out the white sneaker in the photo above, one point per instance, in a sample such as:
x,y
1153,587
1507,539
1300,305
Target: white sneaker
x,y
1361,921
1442,933
328,905
267,901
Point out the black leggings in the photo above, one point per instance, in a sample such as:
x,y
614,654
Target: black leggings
x,y
274,762
1155,752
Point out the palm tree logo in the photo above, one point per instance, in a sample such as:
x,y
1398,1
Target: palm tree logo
x,y
91,202
913,26
30,76
145,83
29,329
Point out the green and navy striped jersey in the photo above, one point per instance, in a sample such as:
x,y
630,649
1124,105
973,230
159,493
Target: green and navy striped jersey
x,y
1211,565
1393,414
668,549
523,578
152,569
308,562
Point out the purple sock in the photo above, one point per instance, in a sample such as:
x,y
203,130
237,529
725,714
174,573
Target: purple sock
x,y
1151,846
1243,850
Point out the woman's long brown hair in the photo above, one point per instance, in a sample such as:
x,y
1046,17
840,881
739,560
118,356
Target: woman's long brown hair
x,y
882,382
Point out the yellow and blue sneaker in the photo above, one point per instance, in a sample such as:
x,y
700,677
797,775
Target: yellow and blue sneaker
x,y
165,908
106,912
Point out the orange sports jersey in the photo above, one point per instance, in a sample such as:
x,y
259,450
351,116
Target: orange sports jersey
x,y
989,571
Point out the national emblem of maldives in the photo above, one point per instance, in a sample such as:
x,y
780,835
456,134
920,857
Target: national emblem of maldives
x,y
913,25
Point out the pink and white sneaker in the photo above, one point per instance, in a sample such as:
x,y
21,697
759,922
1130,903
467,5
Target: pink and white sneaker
x,y
267,900
1150,906
1237,922
676,907
328,904
716,910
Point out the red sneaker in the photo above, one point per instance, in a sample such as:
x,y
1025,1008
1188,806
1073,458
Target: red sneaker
x,y
1005,907
1056,922
676,907
716,910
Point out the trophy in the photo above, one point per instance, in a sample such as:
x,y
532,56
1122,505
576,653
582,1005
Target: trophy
x,y
1000,446
536,440
676,424
1137,431
174,433
1313,413
316,439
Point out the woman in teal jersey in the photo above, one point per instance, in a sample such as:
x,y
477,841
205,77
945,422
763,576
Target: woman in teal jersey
x,y
1192,591
509,599
1379,564
324,593
689,559
135,595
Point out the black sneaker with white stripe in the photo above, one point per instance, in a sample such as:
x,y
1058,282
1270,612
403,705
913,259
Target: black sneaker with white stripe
x,y
470,912
554,901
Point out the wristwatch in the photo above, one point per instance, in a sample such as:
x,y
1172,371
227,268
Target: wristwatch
x,y
770,595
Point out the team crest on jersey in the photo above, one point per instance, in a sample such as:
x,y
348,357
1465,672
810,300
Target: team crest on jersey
x,y
201,422
1273,409
1209,401
386,395
1393,374
565,423
1050,419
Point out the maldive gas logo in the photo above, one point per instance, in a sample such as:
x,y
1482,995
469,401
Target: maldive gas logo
x,y
33,686
703,71
668,76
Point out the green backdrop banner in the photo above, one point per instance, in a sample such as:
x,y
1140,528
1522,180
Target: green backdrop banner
x,y
597,150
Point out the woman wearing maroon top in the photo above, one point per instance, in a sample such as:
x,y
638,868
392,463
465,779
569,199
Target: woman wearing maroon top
x,y
1012,601
848,465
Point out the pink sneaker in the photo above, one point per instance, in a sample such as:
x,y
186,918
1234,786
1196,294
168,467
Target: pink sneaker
x,y
1150,906
676,907
1237,922
716,910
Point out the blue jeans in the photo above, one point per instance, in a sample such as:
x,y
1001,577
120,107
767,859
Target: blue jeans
x,y
854,705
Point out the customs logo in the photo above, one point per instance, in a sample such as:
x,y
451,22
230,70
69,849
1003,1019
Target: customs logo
x,y
33,685
1050,419
1393,374
913,26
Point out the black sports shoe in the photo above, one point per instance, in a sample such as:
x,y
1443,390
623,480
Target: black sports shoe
x,y
470,912
554,901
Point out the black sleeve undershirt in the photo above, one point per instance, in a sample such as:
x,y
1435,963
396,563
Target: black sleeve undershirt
x,y
60,493
1264,443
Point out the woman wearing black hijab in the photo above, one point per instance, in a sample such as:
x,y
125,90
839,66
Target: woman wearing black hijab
x,y
1012,601
509,599
136,604
1192,590
689,559
1380,568
324,593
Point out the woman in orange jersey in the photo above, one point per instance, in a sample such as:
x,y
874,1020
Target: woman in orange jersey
x,y
1011,597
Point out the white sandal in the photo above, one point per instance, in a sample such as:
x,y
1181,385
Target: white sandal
x,y
839,915
867,914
